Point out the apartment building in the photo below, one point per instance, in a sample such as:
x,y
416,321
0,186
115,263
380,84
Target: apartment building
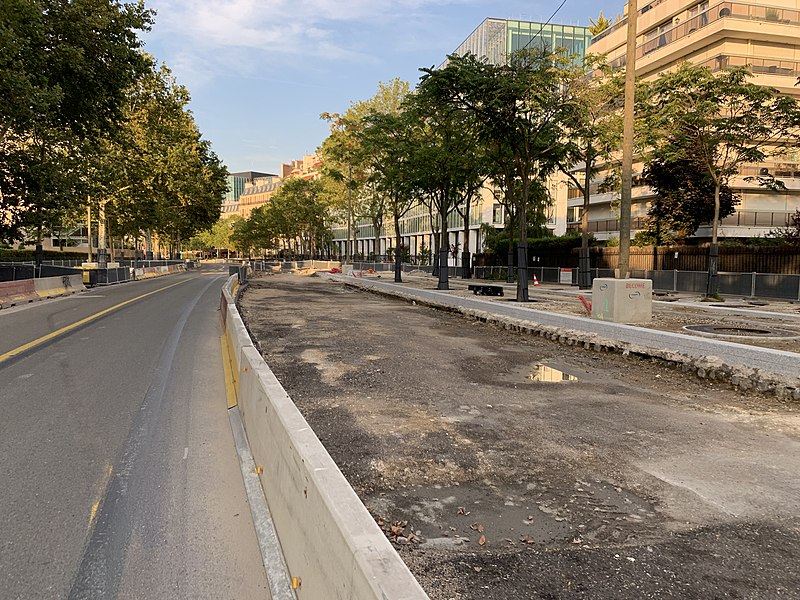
x,y
258,189
257,193
763,35
307,167
236,185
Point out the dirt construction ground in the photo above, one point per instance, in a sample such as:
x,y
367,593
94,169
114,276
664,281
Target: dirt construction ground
x,y
507,466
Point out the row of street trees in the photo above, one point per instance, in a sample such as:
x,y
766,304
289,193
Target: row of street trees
x,y
514,125
467,123
91,121
509,127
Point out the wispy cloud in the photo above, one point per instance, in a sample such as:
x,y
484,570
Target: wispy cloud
x,y
301,27
203,40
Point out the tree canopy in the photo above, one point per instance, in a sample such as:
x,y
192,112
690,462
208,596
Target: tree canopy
x,y
90,119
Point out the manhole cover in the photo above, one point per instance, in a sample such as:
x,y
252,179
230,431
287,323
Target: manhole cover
x,y
734,331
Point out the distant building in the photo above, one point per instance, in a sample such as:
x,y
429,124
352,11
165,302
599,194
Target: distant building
x,y
306,168
236,185
258,188
257,192
496,39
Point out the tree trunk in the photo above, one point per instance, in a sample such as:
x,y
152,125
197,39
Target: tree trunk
x,y
377,225
435,254
444,250
39,250
466,268
398,250
712,289
510,256
522,247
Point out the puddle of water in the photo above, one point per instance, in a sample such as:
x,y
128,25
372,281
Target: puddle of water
x,y
549,374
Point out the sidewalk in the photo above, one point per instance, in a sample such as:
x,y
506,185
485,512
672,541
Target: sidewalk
x,y
744,365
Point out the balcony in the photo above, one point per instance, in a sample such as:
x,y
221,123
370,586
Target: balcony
x,y
656,38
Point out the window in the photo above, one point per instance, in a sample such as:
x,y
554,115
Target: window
x,y
497,214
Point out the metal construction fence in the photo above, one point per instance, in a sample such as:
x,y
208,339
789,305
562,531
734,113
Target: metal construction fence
x,y
140,263
754,285
19,271
763,285
109,276
51,263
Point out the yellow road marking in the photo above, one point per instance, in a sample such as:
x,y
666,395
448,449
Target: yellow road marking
x,y
230,388
96,505
76,324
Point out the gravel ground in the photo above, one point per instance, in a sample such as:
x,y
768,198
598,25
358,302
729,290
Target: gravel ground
x,y
509,466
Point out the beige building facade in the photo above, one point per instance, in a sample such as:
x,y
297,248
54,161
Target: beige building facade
x,y
259,190
763,35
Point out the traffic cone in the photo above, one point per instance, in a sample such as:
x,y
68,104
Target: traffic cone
x,y
535,281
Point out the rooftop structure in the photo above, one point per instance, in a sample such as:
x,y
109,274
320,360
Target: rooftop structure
x,y
496,39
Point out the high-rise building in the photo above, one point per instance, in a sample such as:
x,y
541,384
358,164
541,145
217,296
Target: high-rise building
x,y
718,35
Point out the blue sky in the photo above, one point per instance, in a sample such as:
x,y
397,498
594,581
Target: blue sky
x,y
260,72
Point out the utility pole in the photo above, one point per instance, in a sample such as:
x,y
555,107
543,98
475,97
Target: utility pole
x,y
627,144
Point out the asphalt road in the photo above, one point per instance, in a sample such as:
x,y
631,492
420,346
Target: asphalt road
x,y
118,473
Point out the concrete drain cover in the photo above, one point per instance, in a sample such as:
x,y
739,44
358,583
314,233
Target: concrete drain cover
x,y
733,331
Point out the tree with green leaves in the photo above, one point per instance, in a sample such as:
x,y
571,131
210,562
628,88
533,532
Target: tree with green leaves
x,y
449,164
261,229
65,68
719,121
216,237
158,173
343,158
600,25
390,149
299,216
684,199
520,109
594,133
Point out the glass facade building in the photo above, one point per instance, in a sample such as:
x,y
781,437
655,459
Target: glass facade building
x,y
235,188
496,39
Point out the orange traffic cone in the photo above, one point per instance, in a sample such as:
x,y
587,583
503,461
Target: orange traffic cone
x,y
535,281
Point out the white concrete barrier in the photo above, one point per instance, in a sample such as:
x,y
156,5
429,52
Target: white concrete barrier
x,y
331,543
50,287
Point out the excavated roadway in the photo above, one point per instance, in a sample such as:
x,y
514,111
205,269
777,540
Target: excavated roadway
x,y
509,465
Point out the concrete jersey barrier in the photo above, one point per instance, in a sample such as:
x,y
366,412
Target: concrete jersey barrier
x,y
332,545
49,287
17,292
27,290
